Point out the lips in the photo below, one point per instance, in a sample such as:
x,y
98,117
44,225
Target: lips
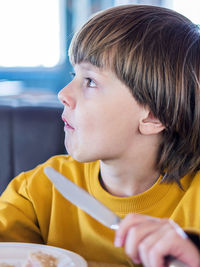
x,y
67,125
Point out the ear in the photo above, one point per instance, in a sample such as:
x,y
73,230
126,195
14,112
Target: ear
x,y
149,124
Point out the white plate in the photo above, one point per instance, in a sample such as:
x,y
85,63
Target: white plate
x,y
17,253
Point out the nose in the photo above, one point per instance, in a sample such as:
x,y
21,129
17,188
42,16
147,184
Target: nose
x,y
66,98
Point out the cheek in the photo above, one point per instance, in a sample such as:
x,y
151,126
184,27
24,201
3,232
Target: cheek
x,y
98,122
106,122
106,130
92,129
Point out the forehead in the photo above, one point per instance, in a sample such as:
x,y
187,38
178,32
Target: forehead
x,y
88,68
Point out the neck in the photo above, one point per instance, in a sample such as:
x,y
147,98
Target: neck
x,y
130,175
126,182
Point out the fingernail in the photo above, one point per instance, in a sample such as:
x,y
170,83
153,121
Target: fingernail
x,y
118,242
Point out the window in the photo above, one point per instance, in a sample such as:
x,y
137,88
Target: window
x,y
33,45
188,8
30,33
35,35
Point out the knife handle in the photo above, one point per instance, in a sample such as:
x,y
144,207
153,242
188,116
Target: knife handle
x,y
173,262
114,226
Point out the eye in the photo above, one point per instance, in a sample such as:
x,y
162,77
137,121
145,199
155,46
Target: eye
x,y
91,83
72,74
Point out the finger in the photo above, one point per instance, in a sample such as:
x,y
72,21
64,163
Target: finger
x,y
168,241
178,229
179,248
129,221
151,249
135,236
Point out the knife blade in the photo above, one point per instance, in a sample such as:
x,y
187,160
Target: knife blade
x,y
90,205
82,199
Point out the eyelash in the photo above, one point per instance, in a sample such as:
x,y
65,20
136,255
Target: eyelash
x,y
72,74
89,80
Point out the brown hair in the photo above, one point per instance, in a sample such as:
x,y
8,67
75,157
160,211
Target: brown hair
x,y
156,53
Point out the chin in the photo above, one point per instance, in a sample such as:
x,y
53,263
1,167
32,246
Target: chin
x,y
82,157
81,154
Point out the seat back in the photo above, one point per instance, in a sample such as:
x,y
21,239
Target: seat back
x,y
29,135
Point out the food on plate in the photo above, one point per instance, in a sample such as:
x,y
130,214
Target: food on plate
x,y
40,259
37,258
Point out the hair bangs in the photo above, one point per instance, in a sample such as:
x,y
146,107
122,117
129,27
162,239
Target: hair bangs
x,y
89,46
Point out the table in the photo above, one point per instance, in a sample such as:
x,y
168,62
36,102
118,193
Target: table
x,y
99,264
172,263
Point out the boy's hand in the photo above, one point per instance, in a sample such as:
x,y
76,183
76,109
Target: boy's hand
x,y
149,240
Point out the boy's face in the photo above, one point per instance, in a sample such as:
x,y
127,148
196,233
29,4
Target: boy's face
x,y
100,114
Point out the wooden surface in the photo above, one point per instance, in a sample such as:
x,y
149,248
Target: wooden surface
x,y
98,264
171,263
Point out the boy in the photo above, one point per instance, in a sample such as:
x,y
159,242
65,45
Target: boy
x,y
132,120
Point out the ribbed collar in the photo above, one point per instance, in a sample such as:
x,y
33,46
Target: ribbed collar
x,y
123,205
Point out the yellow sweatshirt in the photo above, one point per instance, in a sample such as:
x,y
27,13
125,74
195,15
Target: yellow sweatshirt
x,y
32,210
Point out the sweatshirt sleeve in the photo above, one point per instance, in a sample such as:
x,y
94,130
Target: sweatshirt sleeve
x,y
18,221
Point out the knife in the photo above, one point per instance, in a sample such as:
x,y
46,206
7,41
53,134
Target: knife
x,y
90,205
82,199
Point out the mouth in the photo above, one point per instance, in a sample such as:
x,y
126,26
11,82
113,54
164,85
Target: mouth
x,y
67,125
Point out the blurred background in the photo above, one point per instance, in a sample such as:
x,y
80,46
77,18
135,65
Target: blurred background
x,y
35,35
34,66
